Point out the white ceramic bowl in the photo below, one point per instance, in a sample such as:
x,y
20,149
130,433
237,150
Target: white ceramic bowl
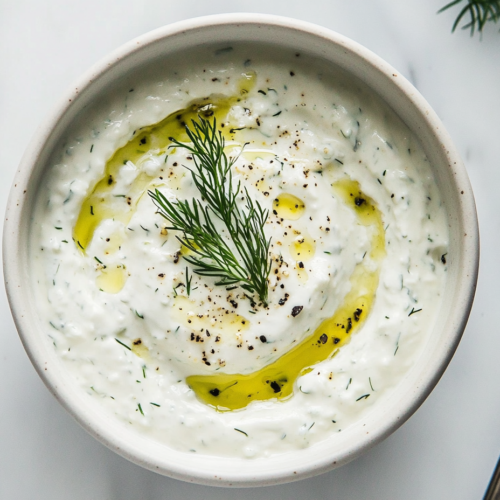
x,y
451,179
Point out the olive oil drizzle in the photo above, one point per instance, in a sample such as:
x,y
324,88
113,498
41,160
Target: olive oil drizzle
x,y
148,142
227,391
288,207
152,141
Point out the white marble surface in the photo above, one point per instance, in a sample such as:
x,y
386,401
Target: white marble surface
x,y
448,449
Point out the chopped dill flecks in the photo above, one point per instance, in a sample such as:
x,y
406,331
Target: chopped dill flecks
x,y
188,282
311,426
329,253
348,384
243,432
364,396
140,408
414,311
155,404
68,197
397,344
139,315
144,371
91,148
58,228
147,230
100,262
370,380
124,345
277,114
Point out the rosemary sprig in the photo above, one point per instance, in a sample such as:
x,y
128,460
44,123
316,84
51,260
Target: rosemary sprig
x,y
480,12
226,242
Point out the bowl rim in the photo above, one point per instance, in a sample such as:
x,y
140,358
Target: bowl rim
x,y
102,429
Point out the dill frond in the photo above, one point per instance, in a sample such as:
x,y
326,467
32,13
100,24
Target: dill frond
x,y
240,253
479,13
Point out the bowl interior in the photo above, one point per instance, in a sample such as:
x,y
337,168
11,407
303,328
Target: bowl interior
x,y
326,48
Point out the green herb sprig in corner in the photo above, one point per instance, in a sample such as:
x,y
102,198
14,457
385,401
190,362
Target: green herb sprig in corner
x,y
479,11
226,242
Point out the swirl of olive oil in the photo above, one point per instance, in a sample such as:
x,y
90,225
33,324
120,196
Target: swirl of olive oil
x,y
152,141
226,391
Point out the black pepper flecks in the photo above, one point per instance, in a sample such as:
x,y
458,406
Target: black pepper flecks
x,y
349,325
275,386
297,310
357,314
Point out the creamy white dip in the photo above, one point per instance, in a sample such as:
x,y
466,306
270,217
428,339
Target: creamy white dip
x,y
119,312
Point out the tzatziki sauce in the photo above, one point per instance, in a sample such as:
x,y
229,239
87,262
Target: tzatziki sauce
x,y
358,245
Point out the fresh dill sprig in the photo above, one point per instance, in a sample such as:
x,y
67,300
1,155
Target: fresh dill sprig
x,y
479,11
225,241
